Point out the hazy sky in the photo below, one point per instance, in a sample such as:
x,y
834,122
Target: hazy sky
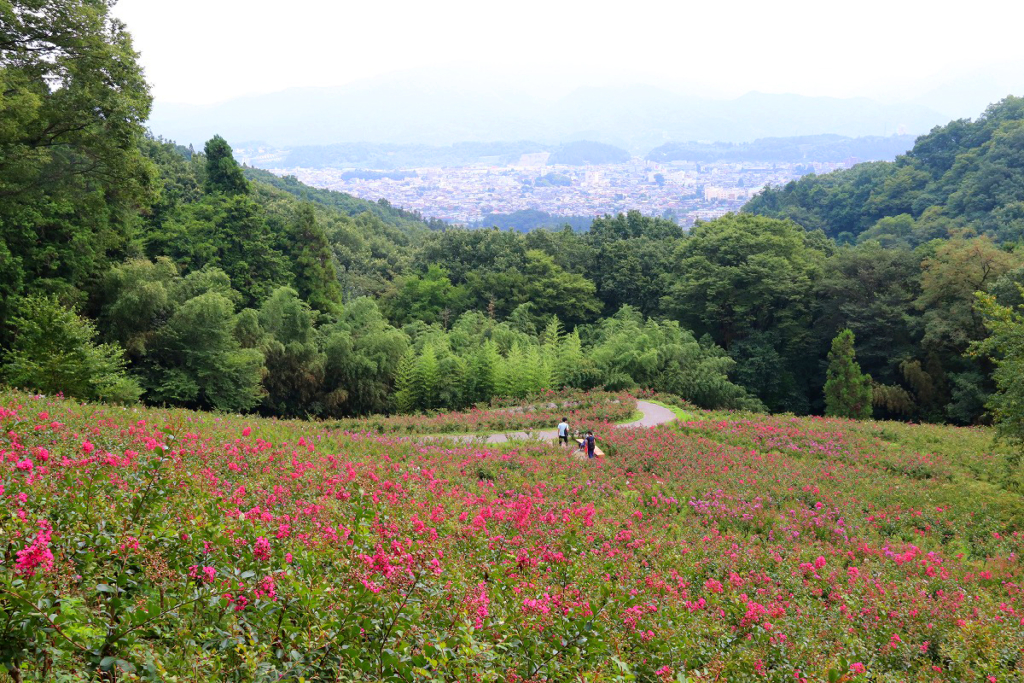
x,y
201,51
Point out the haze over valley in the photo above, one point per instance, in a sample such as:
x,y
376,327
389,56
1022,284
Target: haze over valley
x,y
467,146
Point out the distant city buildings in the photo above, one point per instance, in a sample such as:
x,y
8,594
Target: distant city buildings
x,y
465,195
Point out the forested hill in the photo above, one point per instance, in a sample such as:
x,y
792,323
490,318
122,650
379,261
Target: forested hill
x,y
792,150
966,174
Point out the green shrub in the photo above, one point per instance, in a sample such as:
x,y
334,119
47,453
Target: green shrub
x,y
55,351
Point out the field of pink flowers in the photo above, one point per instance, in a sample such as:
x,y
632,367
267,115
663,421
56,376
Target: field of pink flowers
x,y
542,412
165,545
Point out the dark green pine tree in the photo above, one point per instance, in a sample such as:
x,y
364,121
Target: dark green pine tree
x,y
222,171
847,389
315,277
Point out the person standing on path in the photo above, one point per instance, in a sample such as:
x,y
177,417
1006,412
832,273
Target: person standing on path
x,y
563,432
591,445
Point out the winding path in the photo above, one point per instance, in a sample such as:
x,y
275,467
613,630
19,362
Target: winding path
x,y
653,415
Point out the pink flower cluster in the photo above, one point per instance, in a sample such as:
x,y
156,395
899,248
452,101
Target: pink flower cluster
x,y
37,555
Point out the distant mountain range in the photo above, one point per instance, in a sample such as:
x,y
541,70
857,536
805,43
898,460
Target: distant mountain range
x,y
804,148
388,159
442,109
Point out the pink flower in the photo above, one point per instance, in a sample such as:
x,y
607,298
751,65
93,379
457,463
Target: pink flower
x,y
36,555
130,543
819,563
261,549
247,431
478,606
857,668
266,589
88,447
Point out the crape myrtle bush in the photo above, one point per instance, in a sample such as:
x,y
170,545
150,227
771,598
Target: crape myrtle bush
x,y
544,411
917,451
166,545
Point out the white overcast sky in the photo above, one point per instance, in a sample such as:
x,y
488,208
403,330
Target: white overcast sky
x,y
201,51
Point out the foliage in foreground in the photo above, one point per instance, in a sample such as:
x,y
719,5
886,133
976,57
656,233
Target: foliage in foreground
x,y
174,546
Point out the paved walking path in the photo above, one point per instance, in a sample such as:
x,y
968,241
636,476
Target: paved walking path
x,y
653,415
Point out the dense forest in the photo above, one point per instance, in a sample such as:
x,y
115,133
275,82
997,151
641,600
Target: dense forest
x,y
133,268
964,175
527,220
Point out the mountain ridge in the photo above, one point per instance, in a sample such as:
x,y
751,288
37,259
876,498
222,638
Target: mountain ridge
x,y
442,111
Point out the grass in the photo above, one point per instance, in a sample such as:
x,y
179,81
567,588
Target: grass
x,y
636,415
680,414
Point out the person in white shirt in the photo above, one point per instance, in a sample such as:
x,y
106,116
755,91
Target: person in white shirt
x,y
563,432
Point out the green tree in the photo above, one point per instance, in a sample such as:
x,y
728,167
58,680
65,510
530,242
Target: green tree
x,y
426,379
405,384
847,389
196,361
430,297
963,174
1005,345
871,290
73,102
55,351
538,281
229,232
137,298
745,277
573,367
222,171
949,322
363,354
295,366
451,382
631,351
482,373
316,279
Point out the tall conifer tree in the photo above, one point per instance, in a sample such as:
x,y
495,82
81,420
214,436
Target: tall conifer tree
x,y
847,389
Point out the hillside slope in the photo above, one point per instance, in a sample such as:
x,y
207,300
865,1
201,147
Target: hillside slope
x,y
966,174
736,547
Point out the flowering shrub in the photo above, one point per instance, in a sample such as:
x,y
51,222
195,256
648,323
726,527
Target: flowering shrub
x,y
175,546
544,412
